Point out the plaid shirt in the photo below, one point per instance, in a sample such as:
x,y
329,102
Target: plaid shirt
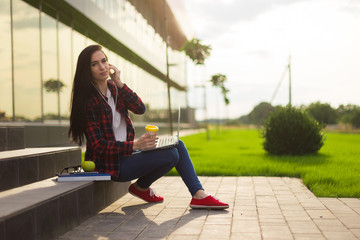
x,y
101,146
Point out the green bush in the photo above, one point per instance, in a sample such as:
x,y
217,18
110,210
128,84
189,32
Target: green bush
x,y
290,131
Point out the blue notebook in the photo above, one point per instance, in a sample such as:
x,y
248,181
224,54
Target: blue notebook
x,y
84,176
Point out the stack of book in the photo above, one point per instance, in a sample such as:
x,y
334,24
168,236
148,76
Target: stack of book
x,y
83,176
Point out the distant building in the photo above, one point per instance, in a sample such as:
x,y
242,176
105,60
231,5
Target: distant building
x,y
41,40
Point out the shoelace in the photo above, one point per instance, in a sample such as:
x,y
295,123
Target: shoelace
x,y
152,192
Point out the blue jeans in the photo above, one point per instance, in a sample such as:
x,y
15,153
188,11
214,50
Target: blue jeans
x,y
150,166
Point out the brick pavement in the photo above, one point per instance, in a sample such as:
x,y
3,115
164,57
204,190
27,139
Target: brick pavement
x,y
260,208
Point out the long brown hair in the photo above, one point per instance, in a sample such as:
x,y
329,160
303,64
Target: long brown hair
x,y
81,92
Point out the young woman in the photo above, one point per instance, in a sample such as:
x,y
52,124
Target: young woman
x,y
99,111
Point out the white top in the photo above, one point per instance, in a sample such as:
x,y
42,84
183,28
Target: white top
x,y
119,123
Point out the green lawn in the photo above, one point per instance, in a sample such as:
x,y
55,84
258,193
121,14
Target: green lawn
x,y
333,172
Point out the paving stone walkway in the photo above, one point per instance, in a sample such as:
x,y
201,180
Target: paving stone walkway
x,y
260,208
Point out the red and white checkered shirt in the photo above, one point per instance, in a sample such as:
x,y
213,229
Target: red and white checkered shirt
x,y
101,146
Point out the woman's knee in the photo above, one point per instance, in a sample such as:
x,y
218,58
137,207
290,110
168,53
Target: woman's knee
x,y
173,155
181,145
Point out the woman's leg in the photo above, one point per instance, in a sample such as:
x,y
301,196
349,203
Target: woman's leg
x,y
186,170
148,166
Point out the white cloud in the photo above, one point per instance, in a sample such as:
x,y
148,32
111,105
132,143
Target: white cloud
x,y
252,41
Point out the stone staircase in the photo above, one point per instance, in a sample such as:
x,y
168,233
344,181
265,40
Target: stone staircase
x,y
33,205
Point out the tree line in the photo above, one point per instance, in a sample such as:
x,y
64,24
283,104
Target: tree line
x,y
324,113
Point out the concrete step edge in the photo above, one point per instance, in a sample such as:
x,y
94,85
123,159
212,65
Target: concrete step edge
x,y
47,209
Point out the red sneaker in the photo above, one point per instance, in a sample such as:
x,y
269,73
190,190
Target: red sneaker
x,y
148,196
208,202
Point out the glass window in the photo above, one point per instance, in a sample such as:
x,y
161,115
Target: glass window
x,y
126,74
113,59
177,71
90,42
59,50
65,69
6,113
26,62
107,52
121,63
49,67
79,43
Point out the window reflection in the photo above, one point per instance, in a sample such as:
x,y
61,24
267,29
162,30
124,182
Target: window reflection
x,y
59,50
26,62
49,66
65,74
5,66
78,43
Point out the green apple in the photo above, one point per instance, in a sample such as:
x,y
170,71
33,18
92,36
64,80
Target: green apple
x,y
88,166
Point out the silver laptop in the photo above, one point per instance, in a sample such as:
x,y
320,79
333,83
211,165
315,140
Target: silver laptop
x,y
169,141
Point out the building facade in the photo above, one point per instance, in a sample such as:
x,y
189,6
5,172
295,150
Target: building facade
x,y
41,40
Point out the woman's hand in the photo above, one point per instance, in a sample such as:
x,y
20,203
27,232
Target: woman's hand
x,y
145,142
115,75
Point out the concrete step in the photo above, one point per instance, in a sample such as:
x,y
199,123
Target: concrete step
x,y
11,137
47,209
24,166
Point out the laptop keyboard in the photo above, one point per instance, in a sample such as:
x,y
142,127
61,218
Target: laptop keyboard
x,y
164,141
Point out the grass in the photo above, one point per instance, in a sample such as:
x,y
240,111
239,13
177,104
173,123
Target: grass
x,y
333,172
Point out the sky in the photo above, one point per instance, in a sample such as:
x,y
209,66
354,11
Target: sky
x,y
253,41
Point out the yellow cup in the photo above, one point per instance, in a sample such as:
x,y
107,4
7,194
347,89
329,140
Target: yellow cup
x,y
152,130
